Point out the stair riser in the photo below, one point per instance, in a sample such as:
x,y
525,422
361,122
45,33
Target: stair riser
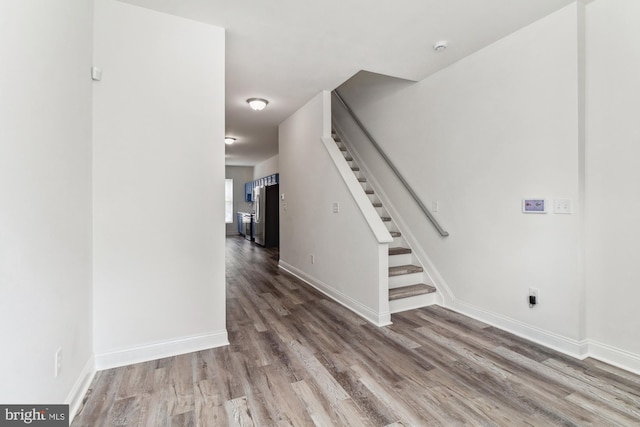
x,y
398,241
382,211
404,304
402,259
406,280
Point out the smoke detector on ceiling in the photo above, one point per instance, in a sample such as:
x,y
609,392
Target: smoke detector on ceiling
x,y
440,46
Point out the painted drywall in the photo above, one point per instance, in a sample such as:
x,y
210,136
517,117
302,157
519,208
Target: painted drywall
x,y
267,167
309,228
158,185
240,176
613,179
45,208
478,137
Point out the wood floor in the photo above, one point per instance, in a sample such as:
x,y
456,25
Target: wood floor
x,y
299,359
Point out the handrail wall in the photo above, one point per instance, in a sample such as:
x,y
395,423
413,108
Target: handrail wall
x,y
397,173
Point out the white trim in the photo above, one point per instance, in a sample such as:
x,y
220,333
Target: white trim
x,y
370,214
571,347
579,349
76,394
615,356
158,350
367,313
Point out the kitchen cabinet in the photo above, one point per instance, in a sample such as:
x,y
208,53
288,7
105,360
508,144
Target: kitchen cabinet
x,y
240,224
248,192
265,181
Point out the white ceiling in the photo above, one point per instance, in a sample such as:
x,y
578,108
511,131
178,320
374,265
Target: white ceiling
x,y
287,51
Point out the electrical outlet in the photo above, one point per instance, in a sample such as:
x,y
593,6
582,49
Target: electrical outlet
x,y
313,259
58,363
534,292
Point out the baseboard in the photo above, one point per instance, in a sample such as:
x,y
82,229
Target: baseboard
x,y
159,350
370,315
79,390
571,347
615,356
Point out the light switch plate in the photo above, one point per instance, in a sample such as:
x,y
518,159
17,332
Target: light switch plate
x,y
96,74
562,206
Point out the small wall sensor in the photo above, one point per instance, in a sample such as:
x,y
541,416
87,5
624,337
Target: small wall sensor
x,y
534,206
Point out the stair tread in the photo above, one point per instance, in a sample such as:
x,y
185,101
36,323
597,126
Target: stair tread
x,y
410,291
348,158
395,233
377,204
355,169
368,191
404,269
399,251
362,179
385,218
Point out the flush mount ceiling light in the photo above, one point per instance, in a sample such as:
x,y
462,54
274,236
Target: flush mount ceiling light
x,y
229,140
257,103
440,46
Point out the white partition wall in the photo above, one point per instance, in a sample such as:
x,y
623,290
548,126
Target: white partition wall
x,y
335,251
158,185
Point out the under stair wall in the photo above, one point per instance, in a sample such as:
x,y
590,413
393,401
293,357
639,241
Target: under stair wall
x,y
478,137
325,238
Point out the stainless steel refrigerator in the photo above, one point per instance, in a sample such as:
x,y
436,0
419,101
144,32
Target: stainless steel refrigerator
x,y
267,218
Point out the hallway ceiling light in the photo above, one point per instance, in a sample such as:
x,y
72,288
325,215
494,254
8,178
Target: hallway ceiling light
x,y
229,140
440,46
257,103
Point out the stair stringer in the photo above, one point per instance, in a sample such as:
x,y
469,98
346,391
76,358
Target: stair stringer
x,y
444,296
379,230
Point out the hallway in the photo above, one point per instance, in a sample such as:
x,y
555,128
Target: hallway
x,y
297,358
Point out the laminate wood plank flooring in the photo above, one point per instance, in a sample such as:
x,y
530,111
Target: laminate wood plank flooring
x,y
299,359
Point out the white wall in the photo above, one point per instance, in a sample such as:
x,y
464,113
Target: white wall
x,y
494,128
45,208
159,285
308,226
267,167
240,176
613,178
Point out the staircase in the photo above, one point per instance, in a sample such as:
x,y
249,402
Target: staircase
x,y
407,281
